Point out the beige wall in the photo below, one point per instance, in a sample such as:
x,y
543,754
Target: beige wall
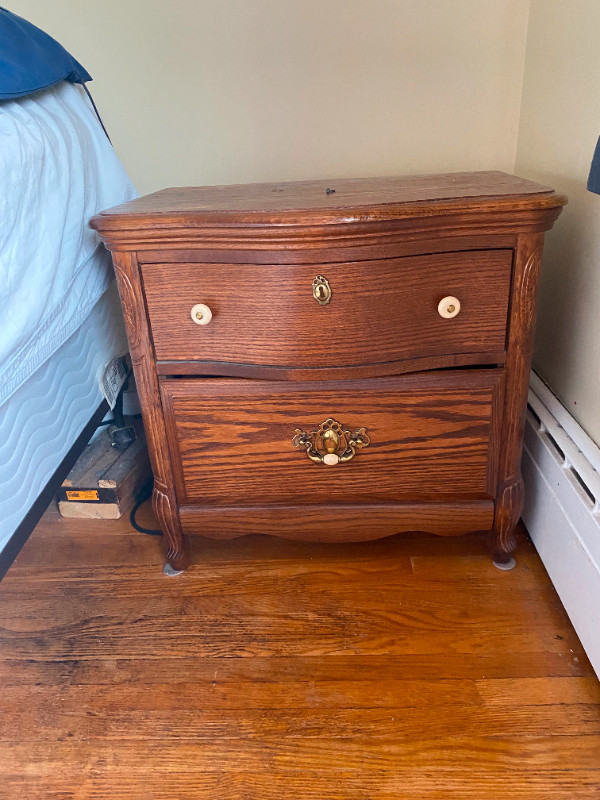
x,y
224,91
560,123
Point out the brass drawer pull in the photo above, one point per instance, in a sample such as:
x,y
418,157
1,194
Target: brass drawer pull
x,y
321,290
448,307
201,314
330,444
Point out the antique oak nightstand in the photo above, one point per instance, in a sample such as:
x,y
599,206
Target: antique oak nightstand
x,y
334,360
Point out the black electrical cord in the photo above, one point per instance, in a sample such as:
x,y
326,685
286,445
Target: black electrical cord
x,y
144,493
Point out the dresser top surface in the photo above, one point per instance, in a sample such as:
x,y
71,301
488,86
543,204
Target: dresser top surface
x,y
331,200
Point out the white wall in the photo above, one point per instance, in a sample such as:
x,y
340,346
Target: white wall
x,y
224,91
560,123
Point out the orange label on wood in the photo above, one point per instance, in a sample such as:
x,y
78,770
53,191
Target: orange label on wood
x,y
90,494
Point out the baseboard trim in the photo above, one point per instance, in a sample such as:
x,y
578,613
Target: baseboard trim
x,y
25,528
562,513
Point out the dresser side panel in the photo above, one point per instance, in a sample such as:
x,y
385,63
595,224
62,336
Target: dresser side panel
x,y
510,493
142,357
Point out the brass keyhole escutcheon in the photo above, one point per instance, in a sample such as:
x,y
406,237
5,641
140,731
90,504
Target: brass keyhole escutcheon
x,y
321,290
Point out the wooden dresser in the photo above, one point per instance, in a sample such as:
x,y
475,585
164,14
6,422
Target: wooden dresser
x,y
334,360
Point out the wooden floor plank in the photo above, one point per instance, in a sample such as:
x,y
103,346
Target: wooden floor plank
x,y
342,755
141,638
237,695
53,722
272,575
382,601
401,668
102,780
164,670
532,691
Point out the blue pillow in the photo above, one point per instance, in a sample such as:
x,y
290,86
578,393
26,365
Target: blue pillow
x,y
31,60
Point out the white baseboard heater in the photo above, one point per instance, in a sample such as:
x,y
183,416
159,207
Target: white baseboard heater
x,y
561,470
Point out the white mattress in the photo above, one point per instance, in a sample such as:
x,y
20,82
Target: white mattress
x,y
57,169
45,415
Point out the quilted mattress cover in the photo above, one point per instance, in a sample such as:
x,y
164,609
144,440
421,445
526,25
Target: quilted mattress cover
x,y
45,415
57,169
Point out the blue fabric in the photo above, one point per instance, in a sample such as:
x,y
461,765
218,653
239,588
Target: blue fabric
x,y
593,183
31,60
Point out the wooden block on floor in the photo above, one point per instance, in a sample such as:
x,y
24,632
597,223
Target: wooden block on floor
x,y
104,482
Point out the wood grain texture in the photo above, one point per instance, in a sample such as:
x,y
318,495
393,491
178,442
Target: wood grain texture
x,y
338,523
389,237
430,439
350,251
260,202
510,500
379,311
271,784
402,668
374,370
259,216
308,202
140,347
391,248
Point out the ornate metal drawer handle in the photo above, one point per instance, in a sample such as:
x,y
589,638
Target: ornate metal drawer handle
x,y
330,444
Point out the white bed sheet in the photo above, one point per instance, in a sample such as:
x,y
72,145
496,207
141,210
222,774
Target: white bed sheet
x,y
57,169
42,419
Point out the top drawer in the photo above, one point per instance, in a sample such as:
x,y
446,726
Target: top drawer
x,y
380,311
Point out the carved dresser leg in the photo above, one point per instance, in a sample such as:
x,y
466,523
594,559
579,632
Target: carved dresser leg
x,y
510,492
508,511
165,507
140,347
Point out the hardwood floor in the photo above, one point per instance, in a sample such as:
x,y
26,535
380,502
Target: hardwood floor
x,y
401,668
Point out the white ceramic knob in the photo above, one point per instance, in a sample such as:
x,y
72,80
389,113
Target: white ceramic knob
x,y
201,314
448,307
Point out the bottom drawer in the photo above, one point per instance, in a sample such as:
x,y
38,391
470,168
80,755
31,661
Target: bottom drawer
x,y
427,438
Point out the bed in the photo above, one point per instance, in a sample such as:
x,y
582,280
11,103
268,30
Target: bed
x,y
60,316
